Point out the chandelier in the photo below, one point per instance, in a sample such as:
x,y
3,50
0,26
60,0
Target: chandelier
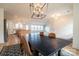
x,y
38,10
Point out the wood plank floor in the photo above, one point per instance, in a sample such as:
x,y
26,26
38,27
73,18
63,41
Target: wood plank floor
x,y
12,40
71,51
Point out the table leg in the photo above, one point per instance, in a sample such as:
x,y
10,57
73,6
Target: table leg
x,y
59,53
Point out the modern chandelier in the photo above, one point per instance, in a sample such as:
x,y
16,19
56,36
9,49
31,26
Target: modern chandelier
x,y
38,10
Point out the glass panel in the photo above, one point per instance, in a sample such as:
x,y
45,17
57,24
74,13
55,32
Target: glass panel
x,y
18,26
41,27
32,27
27,27
36,27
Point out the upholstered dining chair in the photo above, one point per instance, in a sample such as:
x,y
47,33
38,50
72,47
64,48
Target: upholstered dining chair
x,y
24,41
52,35
25,45
41,33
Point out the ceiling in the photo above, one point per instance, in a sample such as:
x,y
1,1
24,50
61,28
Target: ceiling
x,y
22,10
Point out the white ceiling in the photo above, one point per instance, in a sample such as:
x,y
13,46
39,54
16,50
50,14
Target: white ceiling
x,y
22,10
16,9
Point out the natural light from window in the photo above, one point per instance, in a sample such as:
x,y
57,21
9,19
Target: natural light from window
x,y
37,27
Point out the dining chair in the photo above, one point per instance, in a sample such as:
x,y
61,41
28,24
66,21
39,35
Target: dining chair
x,y
24,41
25,45
52,35
41,33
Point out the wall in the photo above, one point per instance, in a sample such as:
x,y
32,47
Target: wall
x,y
76,27
63,26
1,25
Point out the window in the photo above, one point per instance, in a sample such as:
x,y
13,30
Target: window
x,y
41,27
47,29
27,27
18,26
36,27
32,27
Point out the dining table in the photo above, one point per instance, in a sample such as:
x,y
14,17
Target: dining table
x,y
47,46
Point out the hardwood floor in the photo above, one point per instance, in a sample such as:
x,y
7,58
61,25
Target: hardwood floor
x,y
70,51
1,46
12,40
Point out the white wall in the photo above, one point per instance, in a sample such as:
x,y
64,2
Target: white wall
x,y
63,26
76,27
1,25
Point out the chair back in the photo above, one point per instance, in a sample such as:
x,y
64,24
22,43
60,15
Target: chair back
x,y
41,33
25,45
52,35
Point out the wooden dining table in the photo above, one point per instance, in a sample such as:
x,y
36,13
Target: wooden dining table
x,y
47,46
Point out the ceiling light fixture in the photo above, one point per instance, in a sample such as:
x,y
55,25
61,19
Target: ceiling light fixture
x,y
38,10
56,15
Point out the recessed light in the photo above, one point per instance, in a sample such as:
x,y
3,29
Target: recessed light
x,y
56,15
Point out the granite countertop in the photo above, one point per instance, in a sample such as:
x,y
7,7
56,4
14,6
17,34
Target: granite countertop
x,y
71,50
